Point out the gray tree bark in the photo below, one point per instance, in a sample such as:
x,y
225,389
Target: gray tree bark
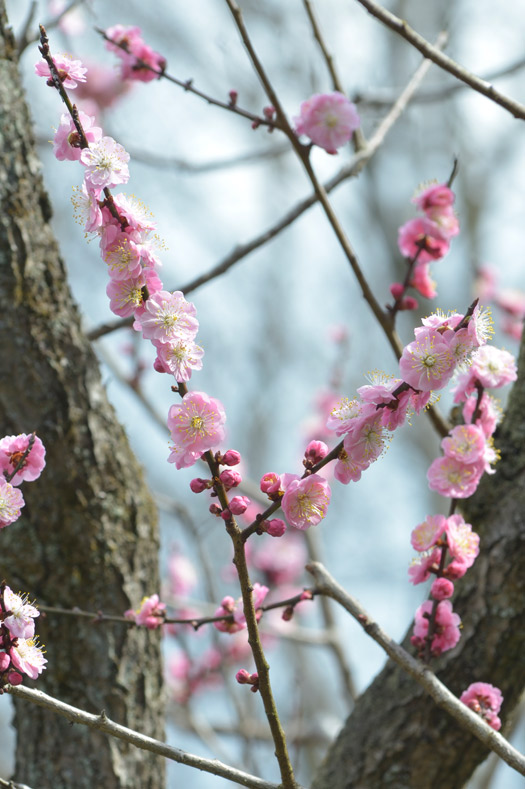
x,y
88,534
396,738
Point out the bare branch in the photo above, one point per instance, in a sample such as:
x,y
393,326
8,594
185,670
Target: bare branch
x,y
104,724
419,671
443,61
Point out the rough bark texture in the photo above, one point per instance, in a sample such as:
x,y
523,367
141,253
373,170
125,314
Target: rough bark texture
x,y
87,535
396,738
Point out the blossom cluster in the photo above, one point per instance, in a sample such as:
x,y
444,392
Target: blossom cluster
x,y
510,301
234,610
485,700
304,499
151,612
138,61
427,238
20,652
22,458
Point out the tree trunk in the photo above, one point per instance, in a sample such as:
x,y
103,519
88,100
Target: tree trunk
x,y
396,738
87,536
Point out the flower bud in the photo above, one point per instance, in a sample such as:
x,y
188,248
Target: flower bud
x,y
396,289
239,504
316,451
230,478
275,528
271,484
441,589
231,458
198,485
243,677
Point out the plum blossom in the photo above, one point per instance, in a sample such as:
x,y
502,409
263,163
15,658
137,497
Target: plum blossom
x,y
106,164
179,357
70,71
67,142
28,657
234,608
151,612
20,621
168,316
485,700
12,450
463,543
446,627
425,564
465,443
426,534
196,425
427,363
424,238
135,54
442,589
454,479
493,367
306,501
11,502
328,119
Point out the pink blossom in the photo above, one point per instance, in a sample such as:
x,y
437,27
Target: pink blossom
x,y
196,425
421,280
131,50
454,479
134,212
271,484
485,700
70,71
348,469
28,657
11,502
21,615
488,414
344,415
422,567
466,443
180,357
442,589
168,316
426,534
122,256
106,164
463,543
328,119
305,501
86,208
67,142
126,295
493,367
12,449
427,363
150,613
365,442
446,629
424,238
435,196
316,451
182,574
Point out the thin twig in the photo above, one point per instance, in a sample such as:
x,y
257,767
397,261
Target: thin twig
x,y
443,61
419,671
104,724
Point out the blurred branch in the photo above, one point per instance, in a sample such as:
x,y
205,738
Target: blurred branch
x,y
419,671
27,37
434,54
102,723
384,97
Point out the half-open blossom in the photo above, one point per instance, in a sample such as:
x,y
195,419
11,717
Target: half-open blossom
x,y
66,142
446,627
426,534
435,196
485,700
424,238
196,425
422,281
427,363
463,543
70,71
106,164
28,657
12,450
306,501
422,567
442,589
11,502
20,621
328,119
150,613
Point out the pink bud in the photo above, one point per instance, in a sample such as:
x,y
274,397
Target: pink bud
x,y
409,303
275,528
230,478
441,589
231,458
198,485
397,290
270,483
243,677
287,613
269,112
158,366
239,504
316,451
215,509
5,660
14,678
307,595
226,514
233,97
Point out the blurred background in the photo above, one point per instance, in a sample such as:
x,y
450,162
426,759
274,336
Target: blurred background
x,y
286,328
